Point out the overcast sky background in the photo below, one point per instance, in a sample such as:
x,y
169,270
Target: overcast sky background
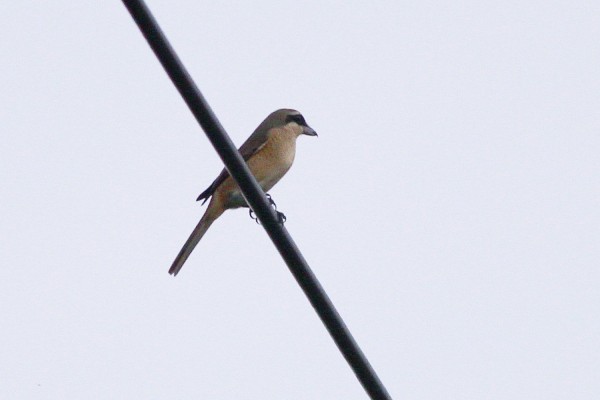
x,y
450,205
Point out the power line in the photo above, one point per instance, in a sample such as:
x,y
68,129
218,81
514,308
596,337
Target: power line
x,y
257,200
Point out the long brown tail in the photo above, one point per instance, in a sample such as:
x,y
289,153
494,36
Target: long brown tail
x,y
213,212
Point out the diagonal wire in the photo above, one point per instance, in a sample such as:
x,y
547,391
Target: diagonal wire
x,y
257,200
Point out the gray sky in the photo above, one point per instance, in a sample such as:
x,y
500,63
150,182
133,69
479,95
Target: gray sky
x,y
449,206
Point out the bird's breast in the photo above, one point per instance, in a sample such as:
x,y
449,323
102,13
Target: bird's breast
x,y
276,157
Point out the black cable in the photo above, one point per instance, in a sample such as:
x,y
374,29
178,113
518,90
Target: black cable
x,y
256,198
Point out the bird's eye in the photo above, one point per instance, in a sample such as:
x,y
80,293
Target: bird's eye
x,y
297,118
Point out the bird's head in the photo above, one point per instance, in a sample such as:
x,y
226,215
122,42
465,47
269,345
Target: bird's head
x,y
286,117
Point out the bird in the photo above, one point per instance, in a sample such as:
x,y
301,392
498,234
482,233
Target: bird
x,y
269,153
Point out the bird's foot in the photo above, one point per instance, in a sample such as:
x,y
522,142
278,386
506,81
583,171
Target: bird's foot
x,y
271,201
280,216
253,216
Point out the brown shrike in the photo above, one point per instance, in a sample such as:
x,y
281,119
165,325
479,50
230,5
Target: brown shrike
x,y
269,153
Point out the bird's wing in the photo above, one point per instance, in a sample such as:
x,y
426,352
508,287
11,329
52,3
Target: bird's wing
x,y
251,146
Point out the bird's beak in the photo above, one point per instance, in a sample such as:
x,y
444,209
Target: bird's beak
x,y
309,131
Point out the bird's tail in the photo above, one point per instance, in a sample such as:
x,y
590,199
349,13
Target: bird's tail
x,y
212,213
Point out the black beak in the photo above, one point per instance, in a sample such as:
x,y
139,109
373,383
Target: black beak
x,y
309,131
